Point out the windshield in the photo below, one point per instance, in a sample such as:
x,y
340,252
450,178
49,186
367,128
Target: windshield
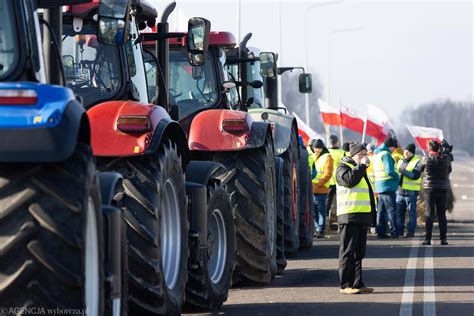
x,y
253,71
91,69
191,88
9,56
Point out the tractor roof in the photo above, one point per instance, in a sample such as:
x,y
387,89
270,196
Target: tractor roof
x,y
144,9
221,39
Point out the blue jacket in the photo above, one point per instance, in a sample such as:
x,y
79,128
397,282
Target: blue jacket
x,y
389,164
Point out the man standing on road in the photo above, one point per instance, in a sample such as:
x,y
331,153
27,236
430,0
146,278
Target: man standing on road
x,y
436,169
355,213
336,154
386,185
409,168
323,164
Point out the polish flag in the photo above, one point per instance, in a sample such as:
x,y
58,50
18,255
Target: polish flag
x,y
378,124
305,131
423,135
351,119
330,115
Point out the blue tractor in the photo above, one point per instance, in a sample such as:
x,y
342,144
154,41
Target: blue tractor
x,y
51,218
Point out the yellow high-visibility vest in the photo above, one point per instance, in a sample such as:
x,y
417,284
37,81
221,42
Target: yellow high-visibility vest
x,y
320,163
336,155
379,168
355,199
370,170
410,184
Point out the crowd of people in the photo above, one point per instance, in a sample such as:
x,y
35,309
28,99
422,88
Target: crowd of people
x,y
377,188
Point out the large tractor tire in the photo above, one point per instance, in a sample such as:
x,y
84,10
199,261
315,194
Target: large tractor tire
x,y
307,216
154,207
250,176
51,244
208,285
280,204
291,196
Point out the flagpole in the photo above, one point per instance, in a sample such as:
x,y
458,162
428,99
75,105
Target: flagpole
x,y
365,127
341,134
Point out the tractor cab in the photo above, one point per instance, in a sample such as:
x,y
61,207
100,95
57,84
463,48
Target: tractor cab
x,y
93,69
195,88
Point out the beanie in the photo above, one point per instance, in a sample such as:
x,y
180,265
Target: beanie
x,y
390,142
355,148
319,144
411,148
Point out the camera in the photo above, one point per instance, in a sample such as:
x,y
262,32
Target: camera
x,y
446,150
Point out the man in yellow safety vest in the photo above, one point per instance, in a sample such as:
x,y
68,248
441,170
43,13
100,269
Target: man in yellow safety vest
x,y
409,168
336,154
355,213
323,164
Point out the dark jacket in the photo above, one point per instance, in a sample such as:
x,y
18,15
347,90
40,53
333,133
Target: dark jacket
x,y
436,170
413,175
347,177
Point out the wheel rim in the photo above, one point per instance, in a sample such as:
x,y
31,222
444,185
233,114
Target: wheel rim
x,y
91,261
170,234
270,211
216,246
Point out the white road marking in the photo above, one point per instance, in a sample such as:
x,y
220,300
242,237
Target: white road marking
x,y
457,185
465,197
429,300
406,307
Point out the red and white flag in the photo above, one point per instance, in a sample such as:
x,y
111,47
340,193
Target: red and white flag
x,y
330,115
378,124
305,131
351,119
423,135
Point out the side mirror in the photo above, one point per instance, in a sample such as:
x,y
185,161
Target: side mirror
x,y
197,41
268,67
305,83
113,15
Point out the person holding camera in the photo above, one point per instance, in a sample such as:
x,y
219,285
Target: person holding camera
x,y
436,167
355,213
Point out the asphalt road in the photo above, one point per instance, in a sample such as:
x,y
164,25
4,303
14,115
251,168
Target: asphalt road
x,y
409,279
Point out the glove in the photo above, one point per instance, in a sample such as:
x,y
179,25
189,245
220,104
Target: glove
x,y
402,168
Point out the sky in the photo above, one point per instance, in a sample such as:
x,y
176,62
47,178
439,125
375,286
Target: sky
x,y
393,54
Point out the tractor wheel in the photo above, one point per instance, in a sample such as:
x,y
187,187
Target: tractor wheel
x,y
306,218
51,243
154,208
292,196
281,260
209,284
251,184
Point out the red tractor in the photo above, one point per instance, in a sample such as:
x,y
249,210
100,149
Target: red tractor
x,y
177,215
206,103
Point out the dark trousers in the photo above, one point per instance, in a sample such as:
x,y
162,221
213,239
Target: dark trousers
x,y
436,200
351,252
387,207
330,198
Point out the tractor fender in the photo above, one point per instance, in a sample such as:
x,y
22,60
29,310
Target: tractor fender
x,y
47,131
206,132
284,125
108,182
108,141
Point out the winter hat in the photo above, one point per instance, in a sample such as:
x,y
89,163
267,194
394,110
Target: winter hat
x,y
319,144
345,147
333,139
356,148
390,142
411,148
